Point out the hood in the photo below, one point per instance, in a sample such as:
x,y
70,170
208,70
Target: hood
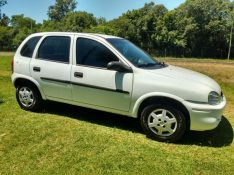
x,y
187,75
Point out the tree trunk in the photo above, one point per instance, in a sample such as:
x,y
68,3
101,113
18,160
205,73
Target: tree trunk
x,y
230,43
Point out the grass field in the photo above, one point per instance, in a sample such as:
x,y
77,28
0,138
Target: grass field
x,y
64,139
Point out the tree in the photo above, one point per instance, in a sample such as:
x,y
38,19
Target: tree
x,y
101,21
101,29
147,25
78,21
72,22
20,36
139,25
231,21
6,34
58,11
211,18
174,33
5,20
197,28
49,26
22,27
2,3
19,21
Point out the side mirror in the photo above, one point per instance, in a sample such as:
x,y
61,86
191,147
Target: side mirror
x,y
119,67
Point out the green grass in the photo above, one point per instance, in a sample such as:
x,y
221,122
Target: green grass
x,y
65,139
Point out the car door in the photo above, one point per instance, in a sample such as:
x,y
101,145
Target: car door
x,y
93,83
51,66
24,55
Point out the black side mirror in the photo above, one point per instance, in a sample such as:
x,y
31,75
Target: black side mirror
x,y
119,67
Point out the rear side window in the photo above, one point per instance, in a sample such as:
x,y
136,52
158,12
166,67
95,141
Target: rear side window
x,y
92,53
29,46
55,48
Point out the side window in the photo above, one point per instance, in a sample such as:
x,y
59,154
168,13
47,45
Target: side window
x,y
93,53
28,48
55,48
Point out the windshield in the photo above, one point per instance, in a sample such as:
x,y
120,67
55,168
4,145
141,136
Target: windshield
x,y
133,53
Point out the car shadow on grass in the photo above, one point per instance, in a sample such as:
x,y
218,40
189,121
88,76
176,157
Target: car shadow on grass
x,y
93,116
219,137
1,101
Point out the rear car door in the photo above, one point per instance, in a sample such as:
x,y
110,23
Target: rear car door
x,y
93,83
24,56
51,66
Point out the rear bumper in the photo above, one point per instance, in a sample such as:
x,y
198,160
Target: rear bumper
x,y
204,116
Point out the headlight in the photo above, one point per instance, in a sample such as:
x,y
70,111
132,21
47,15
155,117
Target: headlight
x,y
214,98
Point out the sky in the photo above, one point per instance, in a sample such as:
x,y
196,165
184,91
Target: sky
x,y
109,9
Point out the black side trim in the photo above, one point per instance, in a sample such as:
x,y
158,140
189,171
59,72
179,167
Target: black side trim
x,y
101,88
55,80
86,85
196,102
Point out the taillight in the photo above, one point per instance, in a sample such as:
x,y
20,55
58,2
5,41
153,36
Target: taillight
x,y
12,65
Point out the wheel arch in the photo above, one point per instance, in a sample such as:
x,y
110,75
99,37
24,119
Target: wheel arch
x,y
23,80
160,99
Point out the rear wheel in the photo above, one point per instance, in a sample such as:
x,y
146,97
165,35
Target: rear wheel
x,y
164,123
28,98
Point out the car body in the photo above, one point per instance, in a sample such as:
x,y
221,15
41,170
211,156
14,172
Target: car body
x,y
103,72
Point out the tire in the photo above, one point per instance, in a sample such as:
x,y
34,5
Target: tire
x,y
29,98
164,123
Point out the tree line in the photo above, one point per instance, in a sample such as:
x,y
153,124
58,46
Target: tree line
x,y
197,28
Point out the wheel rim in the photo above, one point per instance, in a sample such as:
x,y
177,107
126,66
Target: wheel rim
x,y
26,97
162,122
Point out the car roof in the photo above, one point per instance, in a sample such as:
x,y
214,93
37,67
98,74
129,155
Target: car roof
x,y
75,33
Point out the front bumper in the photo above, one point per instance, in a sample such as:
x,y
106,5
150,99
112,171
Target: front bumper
x,y
204,116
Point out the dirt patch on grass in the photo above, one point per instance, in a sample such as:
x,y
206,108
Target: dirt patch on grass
x,y
5,74
7,53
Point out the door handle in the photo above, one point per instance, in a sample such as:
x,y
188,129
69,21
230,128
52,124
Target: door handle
x,y
36,69
78,74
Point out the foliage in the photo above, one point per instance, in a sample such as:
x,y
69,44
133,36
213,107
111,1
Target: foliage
x,y
78,21
73,21
101,29
2,3
22,27
58,11
197,28
5,20
6,39
211,19
19,21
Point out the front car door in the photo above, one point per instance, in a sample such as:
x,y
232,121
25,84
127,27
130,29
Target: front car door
x,y
92,83
51,66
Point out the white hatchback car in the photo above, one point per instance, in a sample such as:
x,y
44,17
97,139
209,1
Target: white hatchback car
x,y
111,74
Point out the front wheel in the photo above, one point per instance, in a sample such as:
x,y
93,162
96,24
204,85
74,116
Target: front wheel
x,y
28,98
163,123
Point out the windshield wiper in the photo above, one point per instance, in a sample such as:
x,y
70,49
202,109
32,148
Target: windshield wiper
x,y
147,65
152,64
162,63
